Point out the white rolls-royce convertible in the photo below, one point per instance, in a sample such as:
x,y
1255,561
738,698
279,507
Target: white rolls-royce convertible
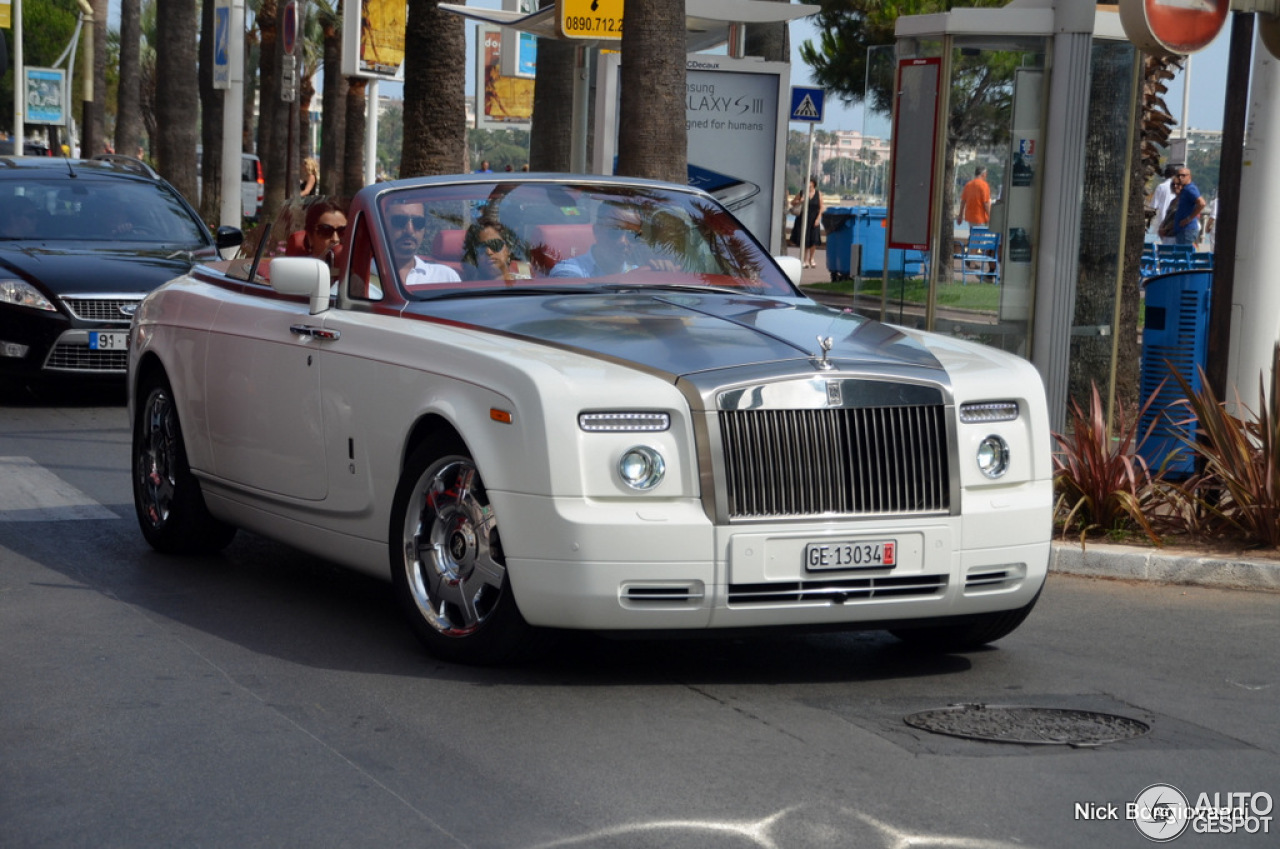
x,y
556,402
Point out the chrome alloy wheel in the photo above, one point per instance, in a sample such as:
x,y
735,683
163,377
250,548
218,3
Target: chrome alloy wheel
x,y
452,554
157,460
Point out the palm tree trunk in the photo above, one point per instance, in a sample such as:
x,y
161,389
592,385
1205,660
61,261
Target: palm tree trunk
x,y
211,125
353,145
653,141
551,132
273,126
177,107
435,112
93,135
334,120
128,95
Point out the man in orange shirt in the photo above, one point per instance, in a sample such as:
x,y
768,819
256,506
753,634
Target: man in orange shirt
x,y
975,200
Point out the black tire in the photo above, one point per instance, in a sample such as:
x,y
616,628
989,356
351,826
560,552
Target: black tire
x,y
971,635
166,496
447,566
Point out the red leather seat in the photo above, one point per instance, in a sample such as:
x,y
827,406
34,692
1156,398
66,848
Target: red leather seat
x,y
446,248
551,243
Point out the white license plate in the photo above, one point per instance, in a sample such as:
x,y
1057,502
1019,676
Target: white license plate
x,y
99,341
851,554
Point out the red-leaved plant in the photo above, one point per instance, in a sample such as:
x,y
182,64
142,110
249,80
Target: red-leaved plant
x,y
1101,481
1238,492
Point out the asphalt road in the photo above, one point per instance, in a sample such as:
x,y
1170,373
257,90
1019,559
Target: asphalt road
x,y
262,698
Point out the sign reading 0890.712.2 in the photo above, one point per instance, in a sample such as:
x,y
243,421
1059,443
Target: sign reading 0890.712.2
x,y
598,20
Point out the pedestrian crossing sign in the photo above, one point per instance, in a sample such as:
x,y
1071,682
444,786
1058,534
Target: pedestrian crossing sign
x,y
807,103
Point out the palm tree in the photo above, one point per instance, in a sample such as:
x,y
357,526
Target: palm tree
x,y
655,142
93,132
272,131
551,132
334,121
128,97
211,124
435,112
177,111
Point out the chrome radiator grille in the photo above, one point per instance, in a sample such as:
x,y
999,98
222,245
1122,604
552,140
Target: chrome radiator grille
x,y
70,356
865,461
101,309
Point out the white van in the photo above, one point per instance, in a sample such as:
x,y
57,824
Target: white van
x,y
251,187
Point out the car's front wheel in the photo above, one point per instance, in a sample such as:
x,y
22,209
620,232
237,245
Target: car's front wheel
x,y
166,496
447,564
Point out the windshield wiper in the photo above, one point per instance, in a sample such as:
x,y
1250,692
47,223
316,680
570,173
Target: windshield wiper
x,y
452,294
678,287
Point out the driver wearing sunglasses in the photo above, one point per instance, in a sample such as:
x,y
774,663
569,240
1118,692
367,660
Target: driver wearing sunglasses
x,y
406,226
617,232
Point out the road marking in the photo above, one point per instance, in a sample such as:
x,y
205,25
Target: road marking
x,y
31,493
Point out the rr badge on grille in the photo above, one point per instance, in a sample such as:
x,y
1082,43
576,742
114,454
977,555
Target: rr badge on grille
x,y
835,397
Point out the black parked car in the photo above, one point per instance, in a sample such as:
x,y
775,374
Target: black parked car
x,y
81,242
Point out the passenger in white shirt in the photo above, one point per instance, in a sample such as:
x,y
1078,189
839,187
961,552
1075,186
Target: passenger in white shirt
x,y
406,223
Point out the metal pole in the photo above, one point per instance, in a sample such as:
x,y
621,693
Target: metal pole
x,y
231,212
19,81
804,192
371,133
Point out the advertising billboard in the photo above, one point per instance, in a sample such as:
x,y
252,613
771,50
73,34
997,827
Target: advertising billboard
x,y
501,100
373,38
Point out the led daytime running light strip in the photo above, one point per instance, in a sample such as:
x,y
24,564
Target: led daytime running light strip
x,y
989,411
624,422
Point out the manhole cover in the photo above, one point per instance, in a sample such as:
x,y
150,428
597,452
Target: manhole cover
x,y
1015,724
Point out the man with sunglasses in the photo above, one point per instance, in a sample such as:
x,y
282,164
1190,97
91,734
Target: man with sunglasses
x,y
617,232
407,223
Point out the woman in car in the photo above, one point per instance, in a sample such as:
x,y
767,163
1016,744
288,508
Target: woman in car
x,y
321,236
487,253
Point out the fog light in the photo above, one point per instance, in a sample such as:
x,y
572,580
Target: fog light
x,y
641,467
993,456
13,349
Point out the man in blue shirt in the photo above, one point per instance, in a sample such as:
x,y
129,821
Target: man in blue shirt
x,y
1190,205
617,232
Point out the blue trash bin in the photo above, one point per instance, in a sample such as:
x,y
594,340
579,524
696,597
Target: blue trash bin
x,y
838,225
1175,338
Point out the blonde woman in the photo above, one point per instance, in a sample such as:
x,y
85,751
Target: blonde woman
x,y
310,177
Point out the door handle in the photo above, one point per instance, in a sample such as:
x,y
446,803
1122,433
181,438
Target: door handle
x,y
315,332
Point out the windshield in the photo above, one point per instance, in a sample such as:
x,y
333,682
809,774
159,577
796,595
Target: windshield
x,y
89,209
448,240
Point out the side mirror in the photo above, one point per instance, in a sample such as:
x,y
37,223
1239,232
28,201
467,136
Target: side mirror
x,y
302,275
791,266
228,237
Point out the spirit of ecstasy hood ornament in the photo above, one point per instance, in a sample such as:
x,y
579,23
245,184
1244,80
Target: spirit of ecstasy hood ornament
x,y
825,342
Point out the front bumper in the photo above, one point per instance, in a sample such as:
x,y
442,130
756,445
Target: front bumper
x,y
663,565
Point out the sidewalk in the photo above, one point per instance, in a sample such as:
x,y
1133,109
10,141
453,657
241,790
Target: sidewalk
x,y
1129,562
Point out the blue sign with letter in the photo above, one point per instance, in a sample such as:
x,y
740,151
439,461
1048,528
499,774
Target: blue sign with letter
x,y
807,103
221,58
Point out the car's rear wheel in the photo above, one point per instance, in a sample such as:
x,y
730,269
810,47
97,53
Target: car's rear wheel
x,y
975,633
447,564
166,496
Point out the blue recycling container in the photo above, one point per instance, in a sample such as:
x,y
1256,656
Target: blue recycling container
x,y
1175,338
838,226
866,227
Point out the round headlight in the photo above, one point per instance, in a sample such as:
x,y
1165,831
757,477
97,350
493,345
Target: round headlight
x,y
641,467
993,456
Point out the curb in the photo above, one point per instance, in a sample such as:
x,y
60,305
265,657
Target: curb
x,y
1101,560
